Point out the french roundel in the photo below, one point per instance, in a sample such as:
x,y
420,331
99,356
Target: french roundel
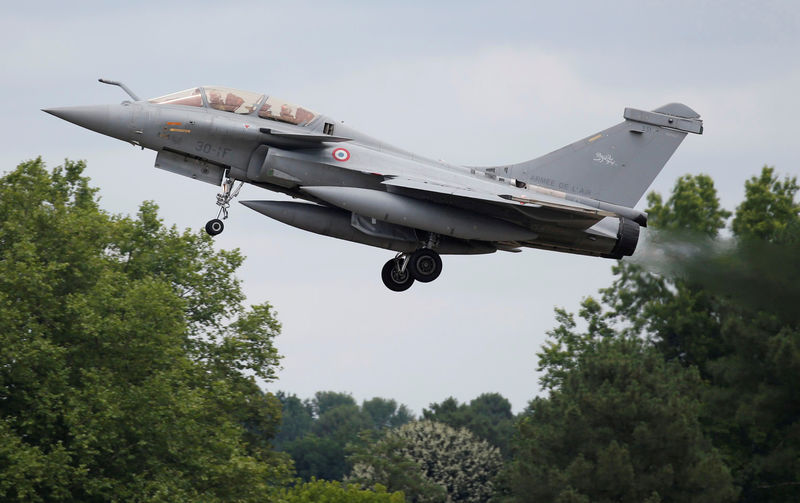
x,y
341,154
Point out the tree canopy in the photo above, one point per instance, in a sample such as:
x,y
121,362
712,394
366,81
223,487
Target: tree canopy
x,y
704,353
488,417
317,432
429,462
316,491
128,356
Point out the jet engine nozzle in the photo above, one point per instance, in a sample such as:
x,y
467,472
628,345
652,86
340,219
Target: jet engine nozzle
x,y
627,239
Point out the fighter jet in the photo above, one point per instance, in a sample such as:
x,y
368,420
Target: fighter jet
x,y
578,199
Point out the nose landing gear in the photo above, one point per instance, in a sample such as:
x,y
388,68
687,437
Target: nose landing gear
x,y
214,226
230,189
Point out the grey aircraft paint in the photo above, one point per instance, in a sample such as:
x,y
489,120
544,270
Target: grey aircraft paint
x,y
578,199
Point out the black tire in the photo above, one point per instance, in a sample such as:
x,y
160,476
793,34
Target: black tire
x,y
394,279
214,227
425,265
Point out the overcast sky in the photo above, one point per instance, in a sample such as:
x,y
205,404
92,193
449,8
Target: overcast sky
x,y
418,75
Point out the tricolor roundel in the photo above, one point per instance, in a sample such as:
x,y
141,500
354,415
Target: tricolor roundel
x,y
341,154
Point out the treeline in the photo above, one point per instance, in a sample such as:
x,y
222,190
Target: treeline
x,y
128,363
320,433
316,432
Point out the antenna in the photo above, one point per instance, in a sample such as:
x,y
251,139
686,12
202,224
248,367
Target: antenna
x,y
123,86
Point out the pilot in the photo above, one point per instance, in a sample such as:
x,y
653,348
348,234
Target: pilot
x,y
266,111
303,116
233,102
287,115
215,100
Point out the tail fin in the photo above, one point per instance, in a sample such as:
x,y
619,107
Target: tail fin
x,y
616,165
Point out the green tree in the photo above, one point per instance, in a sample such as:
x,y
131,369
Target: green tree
x,y
128,356
386,413
316,491
321,452
326,400
316,433
748,333
671,311
297,417
692,206
724,308
383,460
620,424
753,413
674,313
430,461
488,417
769,211
316,456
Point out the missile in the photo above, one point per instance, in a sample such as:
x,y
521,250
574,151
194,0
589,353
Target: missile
x,y
432,217
338,223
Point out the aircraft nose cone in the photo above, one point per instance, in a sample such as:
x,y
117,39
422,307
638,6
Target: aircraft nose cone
x,y
110,120
94,117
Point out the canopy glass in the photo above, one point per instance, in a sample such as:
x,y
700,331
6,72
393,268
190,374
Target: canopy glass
x,y
239,102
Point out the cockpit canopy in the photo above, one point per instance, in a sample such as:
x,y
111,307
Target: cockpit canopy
x,y
239,102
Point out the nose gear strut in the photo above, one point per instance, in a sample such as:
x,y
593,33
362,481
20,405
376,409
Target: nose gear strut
x,y
230,189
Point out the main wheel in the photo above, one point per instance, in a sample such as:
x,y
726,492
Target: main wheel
x,y
214,227
394,279
425,265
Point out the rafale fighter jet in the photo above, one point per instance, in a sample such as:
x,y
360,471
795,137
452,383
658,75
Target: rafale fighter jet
x,y
578,199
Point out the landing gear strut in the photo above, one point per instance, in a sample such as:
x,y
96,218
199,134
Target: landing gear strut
x,y
230,189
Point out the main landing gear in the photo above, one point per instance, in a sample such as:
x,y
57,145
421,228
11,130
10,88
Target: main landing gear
x,y
424,265
230,189
395,274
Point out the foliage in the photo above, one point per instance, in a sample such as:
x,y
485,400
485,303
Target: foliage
x,y
488,417
297,416
316,432
693,206
748,333
769,211
673,312
127,355
384,460
320,491
562,350
430,461
724,312
622,425
753,413
386,413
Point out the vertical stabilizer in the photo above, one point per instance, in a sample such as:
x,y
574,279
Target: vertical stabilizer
x,y
616,165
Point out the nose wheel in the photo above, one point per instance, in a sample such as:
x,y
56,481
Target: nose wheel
x,y
214,226
230,189
424,265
